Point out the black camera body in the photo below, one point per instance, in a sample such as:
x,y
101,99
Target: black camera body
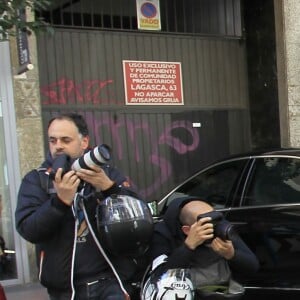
x,y
99,156
222,228
63,161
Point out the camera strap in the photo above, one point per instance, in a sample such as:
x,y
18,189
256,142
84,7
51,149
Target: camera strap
x,y
45,181
79,204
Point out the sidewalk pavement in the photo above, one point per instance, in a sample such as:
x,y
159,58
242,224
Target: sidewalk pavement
x,y
33,291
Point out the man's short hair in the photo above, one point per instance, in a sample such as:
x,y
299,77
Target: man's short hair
x,y
77,119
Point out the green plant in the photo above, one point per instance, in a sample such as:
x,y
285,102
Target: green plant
x,y
12,17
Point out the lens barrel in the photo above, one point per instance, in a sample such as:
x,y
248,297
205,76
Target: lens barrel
x,y
98,156
224,230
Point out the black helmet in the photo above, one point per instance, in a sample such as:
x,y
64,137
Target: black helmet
x,y
125,225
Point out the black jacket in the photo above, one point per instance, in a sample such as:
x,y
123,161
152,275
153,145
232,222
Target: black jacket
x,y
44,220
168,239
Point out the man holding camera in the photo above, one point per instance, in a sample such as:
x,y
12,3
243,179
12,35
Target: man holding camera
x,y
186,240
49,215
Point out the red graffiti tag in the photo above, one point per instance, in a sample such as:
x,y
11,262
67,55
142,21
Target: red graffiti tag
x,y
66,91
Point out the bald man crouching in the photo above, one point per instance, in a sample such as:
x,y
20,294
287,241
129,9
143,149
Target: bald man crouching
x,y
185,240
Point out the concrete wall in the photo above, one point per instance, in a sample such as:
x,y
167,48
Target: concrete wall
x,y
288,58
29,124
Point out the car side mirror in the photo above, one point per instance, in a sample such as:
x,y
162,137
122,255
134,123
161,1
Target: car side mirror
x,y
153,206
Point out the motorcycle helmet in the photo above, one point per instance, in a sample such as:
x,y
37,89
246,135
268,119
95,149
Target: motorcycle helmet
x,y
125,225
175,284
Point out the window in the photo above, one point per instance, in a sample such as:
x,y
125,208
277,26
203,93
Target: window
x,y
9,251
216,185
208,17
275,180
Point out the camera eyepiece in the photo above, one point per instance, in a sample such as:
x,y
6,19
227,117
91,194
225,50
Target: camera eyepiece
x,y
61,161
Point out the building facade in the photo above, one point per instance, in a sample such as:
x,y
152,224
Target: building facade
x,y
82,68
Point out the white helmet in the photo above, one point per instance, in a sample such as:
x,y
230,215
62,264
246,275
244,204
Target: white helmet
x,y
175,284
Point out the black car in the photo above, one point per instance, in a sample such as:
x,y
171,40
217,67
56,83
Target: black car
x,y
259,193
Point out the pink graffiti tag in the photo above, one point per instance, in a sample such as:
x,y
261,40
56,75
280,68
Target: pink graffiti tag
x,y
179,146
123,128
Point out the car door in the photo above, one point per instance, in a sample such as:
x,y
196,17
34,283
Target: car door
x,y
268,220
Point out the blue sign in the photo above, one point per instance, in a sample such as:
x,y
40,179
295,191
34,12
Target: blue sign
x,y
148,10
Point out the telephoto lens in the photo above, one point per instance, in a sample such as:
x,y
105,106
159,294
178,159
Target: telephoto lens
x,y
98,156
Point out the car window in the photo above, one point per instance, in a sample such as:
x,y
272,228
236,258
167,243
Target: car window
x,y
214,185
274,181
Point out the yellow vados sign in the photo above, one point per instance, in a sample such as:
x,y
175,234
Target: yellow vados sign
x,y
148,14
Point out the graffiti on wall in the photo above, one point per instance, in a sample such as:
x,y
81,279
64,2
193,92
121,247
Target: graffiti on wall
x,y
126,133
67,91
132,130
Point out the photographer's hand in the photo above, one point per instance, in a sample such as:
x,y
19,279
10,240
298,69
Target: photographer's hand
x,y
66,186
223,248
96,177
198,233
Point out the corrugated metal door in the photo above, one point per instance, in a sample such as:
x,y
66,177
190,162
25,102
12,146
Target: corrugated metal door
x,y
155,146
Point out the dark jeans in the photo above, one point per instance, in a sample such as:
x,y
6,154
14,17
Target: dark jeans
x,y
107,289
